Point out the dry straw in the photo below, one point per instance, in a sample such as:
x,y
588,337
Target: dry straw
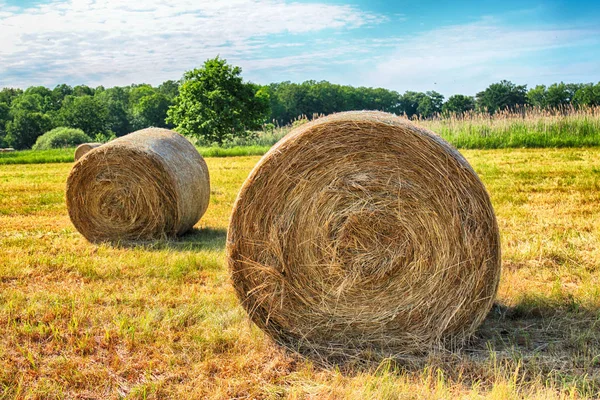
x,y
146,185
84,148
362,233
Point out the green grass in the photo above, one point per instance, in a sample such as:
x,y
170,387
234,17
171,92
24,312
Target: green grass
x,y
161,320
67,155
529,129
516,132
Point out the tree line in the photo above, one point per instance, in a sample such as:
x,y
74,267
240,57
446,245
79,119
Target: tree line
x,y
215,104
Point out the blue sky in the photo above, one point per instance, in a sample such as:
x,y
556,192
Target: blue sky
x,y
452,47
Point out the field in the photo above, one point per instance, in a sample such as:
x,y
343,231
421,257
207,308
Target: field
x,y
161,320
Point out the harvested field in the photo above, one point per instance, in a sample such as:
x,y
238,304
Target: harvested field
x,y
162,321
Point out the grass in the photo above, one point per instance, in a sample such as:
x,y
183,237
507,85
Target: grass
x,y
528,128
66,155
161,320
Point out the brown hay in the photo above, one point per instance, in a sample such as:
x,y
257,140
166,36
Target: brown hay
x,y
84,148
361,231
149,184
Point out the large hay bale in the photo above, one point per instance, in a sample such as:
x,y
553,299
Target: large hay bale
x,y
84,148
362,231
146,185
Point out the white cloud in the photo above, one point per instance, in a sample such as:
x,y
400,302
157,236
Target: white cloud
x,y
467,58
123,41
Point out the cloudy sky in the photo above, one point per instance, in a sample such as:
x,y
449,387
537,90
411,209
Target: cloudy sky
x,y
449,46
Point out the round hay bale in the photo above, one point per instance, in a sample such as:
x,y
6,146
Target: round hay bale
x,y
361,231
147,185
84,148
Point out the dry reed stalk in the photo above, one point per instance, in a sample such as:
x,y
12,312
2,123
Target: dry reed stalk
x,y
149,184
362,232
84,148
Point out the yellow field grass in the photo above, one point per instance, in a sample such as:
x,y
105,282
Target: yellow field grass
x,y
161,320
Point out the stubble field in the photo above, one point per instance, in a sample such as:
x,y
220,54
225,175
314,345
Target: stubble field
x,y
161,320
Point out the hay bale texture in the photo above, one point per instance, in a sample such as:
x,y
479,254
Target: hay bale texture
x,y
84,148
362,231
147,185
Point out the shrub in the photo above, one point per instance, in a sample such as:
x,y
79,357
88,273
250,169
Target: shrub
x,y
61,137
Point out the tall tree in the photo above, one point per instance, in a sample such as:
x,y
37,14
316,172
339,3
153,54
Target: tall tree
x,y
7,95
25,127
151,111
409,103
116,100
537,96
216,104
502,95
83,90
588,95
84,112
430,104
169,88
4,119
458,104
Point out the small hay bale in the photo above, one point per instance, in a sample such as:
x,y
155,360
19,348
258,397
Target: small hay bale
x,y
150,184
84,148
360,233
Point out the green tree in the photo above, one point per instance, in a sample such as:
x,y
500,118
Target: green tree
x,y
25,128
430,104
85,112
83,90
409,103
59,93
588,95
537,96
119,119
557,95
7,95
169,88
137,92
4,119
502,95
216,104
151,111
458,104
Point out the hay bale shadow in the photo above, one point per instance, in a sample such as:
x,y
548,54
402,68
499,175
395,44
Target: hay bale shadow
x,y
556,342
194,240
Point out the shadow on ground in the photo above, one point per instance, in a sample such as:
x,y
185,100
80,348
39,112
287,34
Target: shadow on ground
x,y
548,342
195,240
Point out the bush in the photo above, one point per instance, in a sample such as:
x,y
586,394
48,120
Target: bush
x,y
60,138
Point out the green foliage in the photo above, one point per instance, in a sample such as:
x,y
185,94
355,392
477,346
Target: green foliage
x,y
588,95
537,96
219,107
290,100
409,103
215,104
25,127
430,104
59,93
458,104
4,118
83,90
151,111
504,95
61,137
555,96
85,112
116,101
8,94
169,88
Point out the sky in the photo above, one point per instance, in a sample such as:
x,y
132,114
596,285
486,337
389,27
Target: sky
x,y
452,47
